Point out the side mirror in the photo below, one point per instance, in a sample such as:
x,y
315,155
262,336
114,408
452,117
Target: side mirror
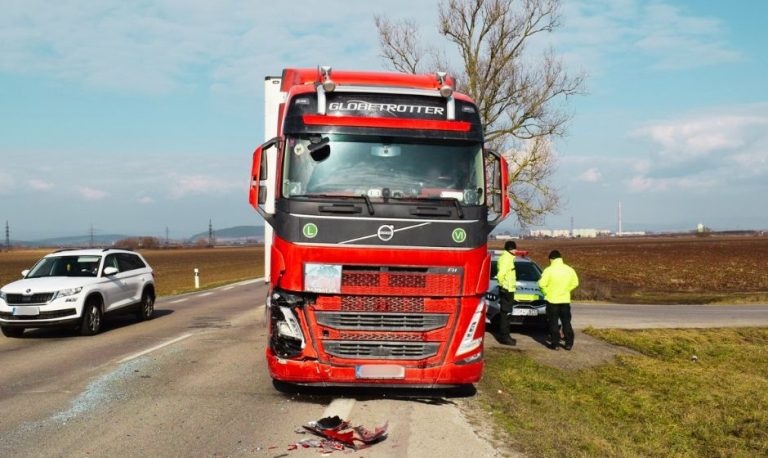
x,y
260,177
109,271
497,186
24,273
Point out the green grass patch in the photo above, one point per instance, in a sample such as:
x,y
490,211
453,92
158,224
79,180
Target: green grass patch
x,y
659,403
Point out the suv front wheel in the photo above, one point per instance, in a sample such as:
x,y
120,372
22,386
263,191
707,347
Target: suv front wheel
x,y
147,306
91,323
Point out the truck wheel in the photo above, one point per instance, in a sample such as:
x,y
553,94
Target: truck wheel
x,y
91,322
147,306
12,332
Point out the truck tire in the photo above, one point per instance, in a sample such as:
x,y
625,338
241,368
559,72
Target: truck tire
x,y
12,332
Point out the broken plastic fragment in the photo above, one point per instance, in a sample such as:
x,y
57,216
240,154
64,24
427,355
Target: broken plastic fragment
x,y
367,437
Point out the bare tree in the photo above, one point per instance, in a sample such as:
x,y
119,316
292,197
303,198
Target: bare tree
x,y
519,96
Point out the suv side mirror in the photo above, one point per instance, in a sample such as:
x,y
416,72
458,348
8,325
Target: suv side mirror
x,y
24,273
497,185
260,180
110,271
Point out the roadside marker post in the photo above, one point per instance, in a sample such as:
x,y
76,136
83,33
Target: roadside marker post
x,y
197,278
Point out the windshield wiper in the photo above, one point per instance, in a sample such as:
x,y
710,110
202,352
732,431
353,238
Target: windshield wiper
x,y
452,200
364,197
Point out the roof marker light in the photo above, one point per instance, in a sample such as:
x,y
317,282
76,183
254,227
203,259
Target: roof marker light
x,y
325,74
445,89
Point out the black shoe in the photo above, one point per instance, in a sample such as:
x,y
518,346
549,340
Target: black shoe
x,y
507,340
568,347
553,347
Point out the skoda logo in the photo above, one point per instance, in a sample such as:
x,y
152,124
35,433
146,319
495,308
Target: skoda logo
x,y
27,291
386,232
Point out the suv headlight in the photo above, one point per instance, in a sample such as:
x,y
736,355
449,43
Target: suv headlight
x,y
3,296
68,292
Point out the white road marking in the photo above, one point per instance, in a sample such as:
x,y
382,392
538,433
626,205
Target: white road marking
x,y
227,288
156,347
204,294
248,282
178,300
341,407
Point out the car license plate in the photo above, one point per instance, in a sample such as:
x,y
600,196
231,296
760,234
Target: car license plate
x,y
524,312
26,311
380,371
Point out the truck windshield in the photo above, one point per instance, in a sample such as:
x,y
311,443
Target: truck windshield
x,y
376,167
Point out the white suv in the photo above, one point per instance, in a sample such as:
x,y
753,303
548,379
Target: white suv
x,y
77,288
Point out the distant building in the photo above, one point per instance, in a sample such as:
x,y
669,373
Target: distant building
x,y
541,233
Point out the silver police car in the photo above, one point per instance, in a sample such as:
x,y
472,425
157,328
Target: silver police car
x,y
530,307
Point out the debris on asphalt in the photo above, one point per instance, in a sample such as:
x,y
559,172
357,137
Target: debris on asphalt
x,y
337,435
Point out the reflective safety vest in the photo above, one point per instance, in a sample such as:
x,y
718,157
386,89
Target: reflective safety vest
x,y
505,271
557,281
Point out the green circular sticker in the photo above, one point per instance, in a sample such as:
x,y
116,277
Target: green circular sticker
x,y
459,235
309,230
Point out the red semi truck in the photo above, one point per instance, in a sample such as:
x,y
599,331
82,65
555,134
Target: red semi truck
x,y
379,197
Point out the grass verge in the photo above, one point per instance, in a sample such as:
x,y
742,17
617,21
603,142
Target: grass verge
x,y
659,403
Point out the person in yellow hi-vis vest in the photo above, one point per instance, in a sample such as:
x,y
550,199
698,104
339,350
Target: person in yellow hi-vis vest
x,y
505,276
556,283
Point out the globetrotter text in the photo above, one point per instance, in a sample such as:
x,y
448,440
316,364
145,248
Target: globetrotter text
x,y
388,107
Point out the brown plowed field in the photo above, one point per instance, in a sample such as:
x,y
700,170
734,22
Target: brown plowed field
x,y
663,269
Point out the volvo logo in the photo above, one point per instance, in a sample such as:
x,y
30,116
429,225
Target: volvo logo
x,y
386,232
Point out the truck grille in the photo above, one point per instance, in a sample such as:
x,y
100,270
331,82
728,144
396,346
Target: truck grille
x,y
382,321
401,281
381,350
382,304
21,299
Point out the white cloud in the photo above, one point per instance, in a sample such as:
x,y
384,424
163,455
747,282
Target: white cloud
x,y
591,175
169,45
91,193
186,185
40,185
6,183
146,200
704,151
670,36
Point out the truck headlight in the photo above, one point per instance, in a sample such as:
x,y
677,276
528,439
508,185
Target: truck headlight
x,y
68,292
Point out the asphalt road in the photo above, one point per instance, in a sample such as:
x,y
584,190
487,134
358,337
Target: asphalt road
x,y
193,382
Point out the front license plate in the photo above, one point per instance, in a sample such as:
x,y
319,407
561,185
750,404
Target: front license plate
x,y
380,371
26,311
524,312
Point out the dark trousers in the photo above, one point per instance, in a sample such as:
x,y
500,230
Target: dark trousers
x,y
563,312
506,303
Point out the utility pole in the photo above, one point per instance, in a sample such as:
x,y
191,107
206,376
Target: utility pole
x,y
90,245
620,229
210,233
7,236
167,240
571,226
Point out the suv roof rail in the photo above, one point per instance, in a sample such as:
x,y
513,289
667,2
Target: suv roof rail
x,y
64,249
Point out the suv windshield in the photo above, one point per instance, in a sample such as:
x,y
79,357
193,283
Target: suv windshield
x,y
66,266
354,165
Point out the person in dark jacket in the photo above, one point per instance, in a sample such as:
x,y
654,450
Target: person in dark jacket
x,y
556,283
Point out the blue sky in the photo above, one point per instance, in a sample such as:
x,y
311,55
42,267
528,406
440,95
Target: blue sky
x,y
137,116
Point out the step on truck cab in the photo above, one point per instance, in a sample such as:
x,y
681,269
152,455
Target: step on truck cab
x,y
378,196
